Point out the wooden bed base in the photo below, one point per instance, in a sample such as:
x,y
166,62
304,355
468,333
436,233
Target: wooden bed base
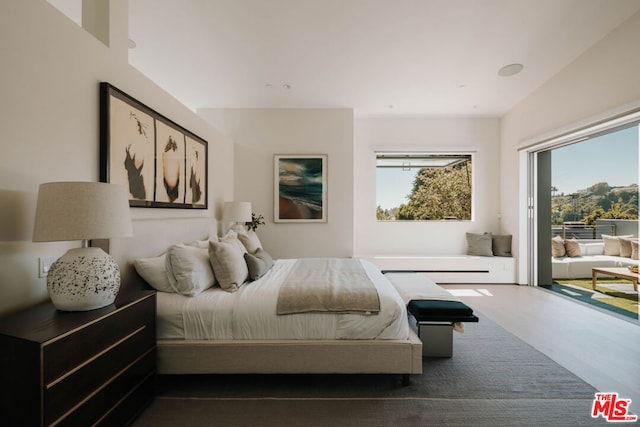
x,y
291,356
251,356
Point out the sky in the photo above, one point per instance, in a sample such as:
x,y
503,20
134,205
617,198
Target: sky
x,y
392,186
611,158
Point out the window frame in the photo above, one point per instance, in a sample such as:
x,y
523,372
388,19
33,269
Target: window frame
x,y
399,154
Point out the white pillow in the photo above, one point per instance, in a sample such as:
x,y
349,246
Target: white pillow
x,y
204,244
154,272
188,269
592,248
612,245
227,259
250,241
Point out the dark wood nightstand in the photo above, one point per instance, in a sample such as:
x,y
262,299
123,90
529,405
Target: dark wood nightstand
x,y
79,368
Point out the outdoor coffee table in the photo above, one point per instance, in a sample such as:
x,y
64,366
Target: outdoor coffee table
x,y
619,272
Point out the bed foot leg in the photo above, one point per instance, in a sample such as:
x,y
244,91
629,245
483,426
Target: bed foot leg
x,y
406,379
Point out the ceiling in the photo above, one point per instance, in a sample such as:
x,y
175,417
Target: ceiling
x,y
379,57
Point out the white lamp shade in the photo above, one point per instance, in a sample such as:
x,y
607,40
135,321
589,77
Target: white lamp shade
x,y
81,211
83,278
237,211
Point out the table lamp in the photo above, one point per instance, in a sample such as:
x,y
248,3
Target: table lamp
x,y
239,213
83,278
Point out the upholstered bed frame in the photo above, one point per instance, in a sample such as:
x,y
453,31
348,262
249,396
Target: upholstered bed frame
x,y
254,356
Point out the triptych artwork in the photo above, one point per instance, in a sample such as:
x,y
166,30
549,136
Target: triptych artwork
x,y
161,163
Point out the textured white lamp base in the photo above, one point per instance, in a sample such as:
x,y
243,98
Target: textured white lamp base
x,y
83,279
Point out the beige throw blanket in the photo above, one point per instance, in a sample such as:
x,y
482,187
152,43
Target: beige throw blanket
x,y
328,285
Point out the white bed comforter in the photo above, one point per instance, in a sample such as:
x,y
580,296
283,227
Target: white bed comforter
x,y
250,313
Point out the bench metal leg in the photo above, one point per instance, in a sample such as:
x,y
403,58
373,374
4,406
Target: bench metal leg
x,y
437,339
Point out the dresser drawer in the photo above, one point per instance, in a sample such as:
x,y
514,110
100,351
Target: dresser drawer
x,y
108,406
68,391
68,352
132,405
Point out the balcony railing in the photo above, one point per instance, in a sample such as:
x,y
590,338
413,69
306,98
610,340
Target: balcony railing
x,y
581,231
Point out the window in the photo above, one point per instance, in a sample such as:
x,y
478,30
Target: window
x,y
423,186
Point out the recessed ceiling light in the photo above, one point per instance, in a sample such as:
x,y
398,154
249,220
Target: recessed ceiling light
x,y
286,86
510,70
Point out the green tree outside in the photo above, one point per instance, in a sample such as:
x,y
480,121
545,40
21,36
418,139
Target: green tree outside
x,y
438,194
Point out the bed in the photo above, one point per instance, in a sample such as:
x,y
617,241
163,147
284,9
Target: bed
x,y
391,349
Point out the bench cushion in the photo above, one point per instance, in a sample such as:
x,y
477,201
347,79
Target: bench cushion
x,y
435,310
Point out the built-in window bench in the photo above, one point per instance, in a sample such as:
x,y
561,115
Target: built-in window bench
x,y
450,268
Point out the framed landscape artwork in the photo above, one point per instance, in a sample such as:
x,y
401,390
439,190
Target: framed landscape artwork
x,y
300,188
161,163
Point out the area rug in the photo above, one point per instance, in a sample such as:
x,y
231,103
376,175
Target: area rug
x,y
493,379
609,295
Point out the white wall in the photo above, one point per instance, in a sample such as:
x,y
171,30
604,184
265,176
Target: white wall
x,y
49,120
605,78
259,134
51,69
430,237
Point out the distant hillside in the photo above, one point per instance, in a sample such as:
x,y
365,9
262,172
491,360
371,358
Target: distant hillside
x,y
598,201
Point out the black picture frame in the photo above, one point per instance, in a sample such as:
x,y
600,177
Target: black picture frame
x,y
162,164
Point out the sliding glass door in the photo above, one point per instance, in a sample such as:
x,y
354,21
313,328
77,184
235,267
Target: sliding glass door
x,y
580,177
